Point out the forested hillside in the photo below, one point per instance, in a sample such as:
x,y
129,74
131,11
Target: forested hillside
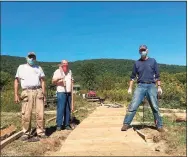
x,y
110,77
117,67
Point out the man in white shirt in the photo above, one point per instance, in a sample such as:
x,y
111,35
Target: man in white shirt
x,y
63,79
31,77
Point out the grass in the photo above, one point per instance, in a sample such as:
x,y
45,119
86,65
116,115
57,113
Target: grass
x,y
7,102
174,137
83,108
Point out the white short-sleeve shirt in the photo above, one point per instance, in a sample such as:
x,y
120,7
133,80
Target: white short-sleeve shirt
x,y
29,76
68,79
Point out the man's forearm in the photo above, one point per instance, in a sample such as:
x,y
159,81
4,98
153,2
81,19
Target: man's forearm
x,y
16,87
43,87
55,81
131,83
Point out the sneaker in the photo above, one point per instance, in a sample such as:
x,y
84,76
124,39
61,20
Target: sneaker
x,y
125,127
58,128
63,127
24,137
68,127
160,129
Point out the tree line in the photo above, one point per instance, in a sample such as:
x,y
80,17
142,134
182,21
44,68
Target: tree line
x,y
110,77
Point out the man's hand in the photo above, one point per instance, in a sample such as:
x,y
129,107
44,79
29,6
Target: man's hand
x,y
159,90
130,90
16,98
44,99
59,80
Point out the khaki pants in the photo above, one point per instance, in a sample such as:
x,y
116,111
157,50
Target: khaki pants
x,y
32,98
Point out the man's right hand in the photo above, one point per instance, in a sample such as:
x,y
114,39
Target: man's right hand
x,y
16,98
130,90
58,79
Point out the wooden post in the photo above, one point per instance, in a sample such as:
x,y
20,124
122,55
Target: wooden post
x,y
72,100
10,139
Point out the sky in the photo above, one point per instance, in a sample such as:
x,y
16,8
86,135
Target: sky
x,y
94,30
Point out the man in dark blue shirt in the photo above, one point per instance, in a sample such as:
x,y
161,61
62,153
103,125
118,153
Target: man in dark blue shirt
x,y
148,74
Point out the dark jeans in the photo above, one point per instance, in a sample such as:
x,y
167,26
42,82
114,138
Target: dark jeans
x,y
63,109
142,90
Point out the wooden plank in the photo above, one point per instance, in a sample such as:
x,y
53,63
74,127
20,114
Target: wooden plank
x,y
4,133
49,120
141,134
55,117
166,109
50,112
10,139
181,120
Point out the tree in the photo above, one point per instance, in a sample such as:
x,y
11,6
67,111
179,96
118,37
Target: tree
x,y
6,80
88,72
106,81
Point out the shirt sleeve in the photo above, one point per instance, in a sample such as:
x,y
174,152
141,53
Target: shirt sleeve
x,y
55,75
134,72
18,72
41,72
156,71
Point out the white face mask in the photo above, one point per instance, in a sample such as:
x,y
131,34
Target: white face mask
x,y
30,61
143,53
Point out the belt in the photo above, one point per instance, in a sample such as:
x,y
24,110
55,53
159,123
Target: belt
x,y
33,87
146,82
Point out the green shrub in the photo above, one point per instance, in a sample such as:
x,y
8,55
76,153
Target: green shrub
x,y
7,102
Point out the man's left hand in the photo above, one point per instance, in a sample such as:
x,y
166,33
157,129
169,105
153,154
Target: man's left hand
x,y
159,90
44,99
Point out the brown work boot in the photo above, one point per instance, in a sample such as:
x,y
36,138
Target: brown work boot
x,y
125,127
161,129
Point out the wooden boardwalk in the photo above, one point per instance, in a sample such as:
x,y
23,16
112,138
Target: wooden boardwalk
x,y
100,135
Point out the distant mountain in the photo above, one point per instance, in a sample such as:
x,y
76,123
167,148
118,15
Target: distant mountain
x,y
117,67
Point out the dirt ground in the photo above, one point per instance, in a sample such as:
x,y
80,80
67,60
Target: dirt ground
x,y
51,144
55,140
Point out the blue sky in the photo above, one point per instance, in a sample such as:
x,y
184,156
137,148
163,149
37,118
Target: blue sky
x,y
90,30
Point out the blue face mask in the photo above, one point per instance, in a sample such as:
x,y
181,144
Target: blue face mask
x,y
143,53
30,61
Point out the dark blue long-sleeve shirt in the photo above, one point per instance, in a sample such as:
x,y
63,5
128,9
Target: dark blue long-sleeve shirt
x,y
147,71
